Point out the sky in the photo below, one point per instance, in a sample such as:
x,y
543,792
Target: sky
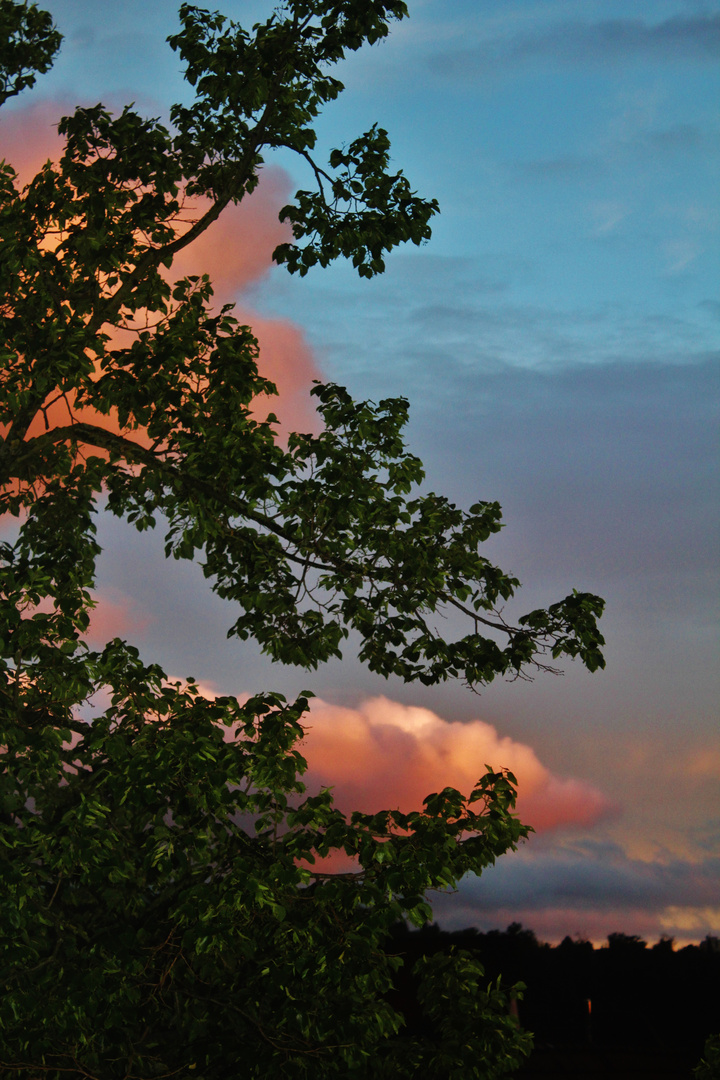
x,y
558,342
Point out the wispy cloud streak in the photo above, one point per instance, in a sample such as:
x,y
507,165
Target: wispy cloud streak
x,y
572,42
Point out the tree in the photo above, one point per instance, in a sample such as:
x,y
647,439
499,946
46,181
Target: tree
x,y
168,905
28,44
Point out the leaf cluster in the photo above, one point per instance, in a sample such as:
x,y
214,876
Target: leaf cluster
x,y
28,44
172,898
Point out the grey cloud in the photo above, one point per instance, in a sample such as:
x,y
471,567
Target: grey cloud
x,y
696,38
597,430
711,306
681,139
469,318
593,881
568,167
626,452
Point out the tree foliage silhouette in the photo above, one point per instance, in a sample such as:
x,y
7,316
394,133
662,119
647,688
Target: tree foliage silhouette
x,y
168,904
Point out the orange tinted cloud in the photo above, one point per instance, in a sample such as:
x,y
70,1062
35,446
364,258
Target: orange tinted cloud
x,y
29,137
704,763
235,251
287,360
387,755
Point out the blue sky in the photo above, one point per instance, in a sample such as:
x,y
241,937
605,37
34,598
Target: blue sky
x,y
558,341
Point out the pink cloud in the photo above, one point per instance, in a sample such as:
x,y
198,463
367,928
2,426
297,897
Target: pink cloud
x,y
116,615
387,755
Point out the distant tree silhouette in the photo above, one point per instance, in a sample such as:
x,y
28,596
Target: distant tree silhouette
x,y
624,997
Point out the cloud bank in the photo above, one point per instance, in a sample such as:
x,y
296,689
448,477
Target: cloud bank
x,y
591,891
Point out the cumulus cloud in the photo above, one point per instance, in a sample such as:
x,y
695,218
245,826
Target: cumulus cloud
x,y
115,615
287,360
385,755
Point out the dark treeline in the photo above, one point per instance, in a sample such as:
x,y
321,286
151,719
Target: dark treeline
x,y
645,1003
